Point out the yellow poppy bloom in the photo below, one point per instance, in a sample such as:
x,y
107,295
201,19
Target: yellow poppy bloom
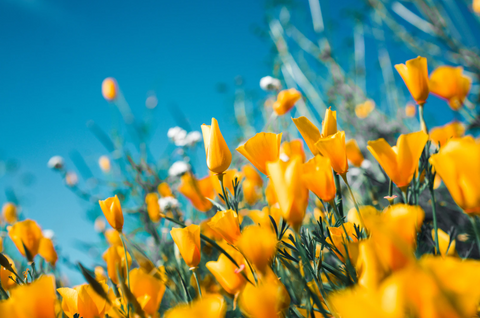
x,y
219,156
47,251
292,148
26,233
415,75
114,256
286,99
147,289
449,83
109,89
440,135
112,210
187,240
259,245
153,208
164,190
9,213
309,132
83,300
334,148
6,282
260,149
196,191
318,178
35,300
443,242
226,224
226,274
209,306
354,155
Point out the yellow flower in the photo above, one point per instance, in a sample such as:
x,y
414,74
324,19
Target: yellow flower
x,y
35,300
83,300
334,148
153,208
188,242
226,224
112,210
399,162
354,155
415,76
104,164
458,164
444,242
26,233
210,306
363,110
476,6
370,268
100,275
9,212
196,191
227,276
261,218
260,149
47,251
219,156
286,99
318,177
109,89
259,245
329,124
410,110
367,211
164,190
114,256
113,237
309,132
251,192
5,281
206,230
228,179
342,243
292,195
449,83
440,135
251,174
292,148
147,289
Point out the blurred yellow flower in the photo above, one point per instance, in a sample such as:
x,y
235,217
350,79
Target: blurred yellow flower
x,y
286,99
449,83
363,110
83,300
114,256
292,148
446,248
476,6
366,210
251,174
370,268
210,306
354,155
251,192
226,224
415,75
458,164
187,240
226,274
5,280
104,163
147,289
318,178
113,237
440,135
410,110
259,245
334,148
9,213
109,89
100,274
329,124
196,191
401,161
344,238
153,208
47,251
164,190
309,132
35,300
26,233
219,156
112,210
292,194
260,149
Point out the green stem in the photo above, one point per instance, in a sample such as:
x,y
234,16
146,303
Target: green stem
x,y
435,225
338,192
423,125
248,263
475,229
220,178
198,284
122,236
344,177
390,188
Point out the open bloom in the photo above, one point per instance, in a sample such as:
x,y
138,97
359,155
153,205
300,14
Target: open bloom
x,y
187,240
35,300
449,83
153,208
260,149
334,148
196,191
309,132
26,233
401,161
226,224
363,110
415,75
354,155
109,89
289,149
5,280
112,210
286,99
83,300
291,193
219,156
147,289
318,177
211,306
115,259
440,135
458,164
47,251
9,213
259,245
226,274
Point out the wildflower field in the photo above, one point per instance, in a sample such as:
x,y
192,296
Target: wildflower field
x,y
326,203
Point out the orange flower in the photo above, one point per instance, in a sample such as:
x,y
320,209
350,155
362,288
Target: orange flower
x,y
318,178
147,289
286,99
228,179
113,237
334,148
187,240
112,210
26,233
153,208
196,191
410,110
259,246
415,75
260,149
114,256
211,306
35,300
164,190
399,162
5,281
290,191
251,192
440,135
292,148
9,212
449,83
109,89
83,300
354,155
47,251
342,243
226,274
363,110
226,224
219,156
329,124
251,174
309,132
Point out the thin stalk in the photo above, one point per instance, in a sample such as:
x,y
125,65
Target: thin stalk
x,y
344,177
220,178
338,193
198,284
435,225
248,263
475,229
423,125
122,236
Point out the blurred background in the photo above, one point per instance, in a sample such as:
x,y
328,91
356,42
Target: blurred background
x,y
180,63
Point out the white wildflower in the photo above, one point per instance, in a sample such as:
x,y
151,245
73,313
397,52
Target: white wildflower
x,y
192,138
366,164
48,234
167,203
178,168
56,162
269,83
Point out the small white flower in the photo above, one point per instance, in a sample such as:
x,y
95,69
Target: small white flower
x,y
48,234
56,162
284,157
71,179
178,168
167,203
366,164
192,138
354,172
269,83
176,133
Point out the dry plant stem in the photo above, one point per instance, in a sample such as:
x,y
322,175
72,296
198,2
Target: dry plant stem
x,y
475,229
344,177
435,225
423,125
220,178
198,284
